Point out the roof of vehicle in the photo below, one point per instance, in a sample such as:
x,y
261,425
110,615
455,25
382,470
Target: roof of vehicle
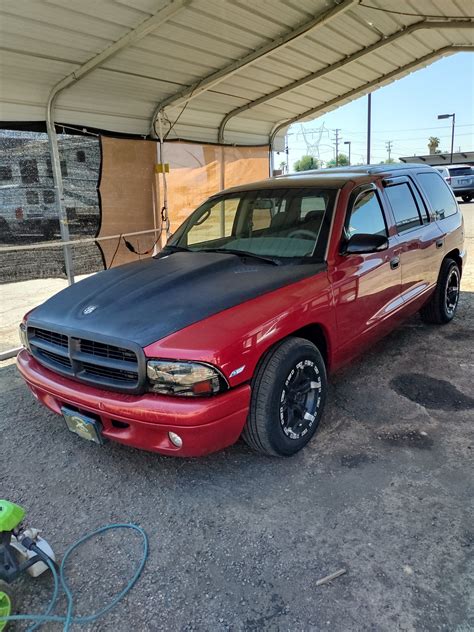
x,y
458,166
335,177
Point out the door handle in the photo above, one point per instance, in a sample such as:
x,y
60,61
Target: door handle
x,y
439,243
394,263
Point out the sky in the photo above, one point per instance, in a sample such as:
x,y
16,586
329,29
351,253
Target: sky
x,y
404,112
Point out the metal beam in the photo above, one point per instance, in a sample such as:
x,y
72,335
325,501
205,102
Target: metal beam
x,y
394,74
186,94
384,41
133,36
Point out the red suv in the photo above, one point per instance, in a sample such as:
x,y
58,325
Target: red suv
x,y
232,328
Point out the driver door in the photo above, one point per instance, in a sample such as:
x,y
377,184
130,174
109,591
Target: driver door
x,y
367,287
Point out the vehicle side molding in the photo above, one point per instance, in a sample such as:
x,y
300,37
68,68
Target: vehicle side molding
x,y
364,243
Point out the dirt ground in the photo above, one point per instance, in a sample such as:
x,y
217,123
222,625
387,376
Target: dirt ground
x,y
238,540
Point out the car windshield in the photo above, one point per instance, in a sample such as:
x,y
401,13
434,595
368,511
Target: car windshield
x,y
281,224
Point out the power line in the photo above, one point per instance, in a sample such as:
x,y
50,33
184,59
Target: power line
x,y
385,131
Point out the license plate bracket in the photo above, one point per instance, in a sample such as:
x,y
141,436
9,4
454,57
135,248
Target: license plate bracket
x,y
82,425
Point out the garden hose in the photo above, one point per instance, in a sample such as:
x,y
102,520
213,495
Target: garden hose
x,y
60,582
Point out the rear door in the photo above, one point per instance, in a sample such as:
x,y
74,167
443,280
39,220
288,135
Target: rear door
x,y
420,238
366,287
444,210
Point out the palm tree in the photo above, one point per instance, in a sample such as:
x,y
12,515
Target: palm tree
x,y
433,144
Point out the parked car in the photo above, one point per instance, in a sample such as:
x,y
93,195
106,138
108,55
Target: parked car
x,y
232,328
461,180
445,173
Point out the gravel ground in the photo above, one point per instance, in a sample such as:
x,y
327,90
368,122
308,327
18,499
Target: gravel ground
x,y
238,540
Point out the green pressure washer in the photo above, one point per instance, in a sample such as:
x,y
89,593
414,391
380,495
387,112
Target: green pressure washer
x,y
23,550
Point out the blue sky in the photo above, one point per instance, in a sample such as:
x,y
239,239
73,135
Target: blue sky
x,y
404,112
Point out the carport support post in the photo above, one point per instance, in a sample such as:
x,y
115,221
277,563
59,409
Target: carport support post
x,y
369,124
59,197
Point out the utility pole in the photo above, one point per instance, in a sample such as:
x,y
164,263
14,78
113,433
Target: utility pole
x,y
388,145
336,140
348,142
369,124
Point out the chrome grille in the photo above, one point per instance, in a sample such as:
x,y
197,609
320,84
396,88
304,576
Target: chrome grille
x,y
90,361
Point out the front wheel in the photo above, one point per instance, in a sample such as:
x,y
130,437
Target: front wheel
x,y
443,304
467,198
288,396
6,603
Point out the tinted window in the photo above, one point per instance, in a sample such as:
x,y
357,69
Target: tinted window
x,y
404,206
29,171
49,168
32,197
81,156
366,216
439,195
48,196
461,171
6,173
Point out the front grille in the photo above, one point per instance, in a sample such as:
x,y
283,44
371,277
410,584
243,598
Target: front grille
x,y
103,371
90,361
107,351
52,337
54,357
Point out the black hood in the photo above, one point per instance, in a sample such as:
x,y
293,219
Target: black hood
x,y
145,301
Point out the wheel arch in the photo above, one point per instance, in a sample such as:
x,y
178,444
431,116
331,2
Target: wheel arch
x,y
313,332
456,256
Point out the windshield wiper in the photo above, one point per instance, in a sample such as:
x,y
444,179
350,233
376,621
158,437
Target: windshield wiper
x,y
242,253
171,248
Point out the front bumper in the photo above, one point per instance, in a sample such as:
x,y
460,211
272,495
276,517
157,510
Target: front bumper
x,y
143,421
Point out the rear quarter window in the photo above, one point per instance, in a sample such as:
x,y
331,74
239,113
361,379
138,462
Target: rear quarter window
x,y
439,194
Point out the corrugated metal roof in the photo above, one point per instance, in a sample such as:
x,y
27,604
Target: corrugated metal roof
x,y
43,41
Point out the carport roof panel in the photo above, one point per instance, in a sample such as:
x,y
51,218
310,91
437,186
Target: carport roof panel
x,y
42,42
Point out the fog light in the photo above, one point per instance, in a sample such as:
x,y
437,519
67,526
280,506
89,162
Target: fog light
x,y
175,439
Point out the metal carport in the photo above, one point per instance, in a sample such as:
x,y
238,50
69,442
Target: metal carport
x,y
241,68
210,70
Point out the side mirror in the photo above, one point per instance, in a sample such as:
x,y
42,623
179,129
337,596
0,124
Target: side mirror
x,y
363,244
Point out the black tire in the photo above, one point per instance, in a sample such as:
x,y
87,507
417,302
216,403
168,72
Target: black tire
x,y
443,303
291,377
467,198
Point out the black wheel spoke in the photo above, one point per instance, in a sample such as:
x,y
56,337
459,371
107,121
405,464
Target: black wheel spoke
x,y
452,292
300,401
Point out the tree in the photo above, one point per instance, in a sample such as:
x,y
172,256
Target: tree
x,y
389,161
342,160
433,144
306,163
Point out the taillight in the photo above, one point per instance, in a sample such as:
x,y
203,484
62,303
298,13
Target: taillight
x,y
448,180
19,213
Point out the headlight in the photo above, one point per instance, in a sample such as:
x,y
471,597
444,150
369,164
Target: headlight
x,y
184,378
23,336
